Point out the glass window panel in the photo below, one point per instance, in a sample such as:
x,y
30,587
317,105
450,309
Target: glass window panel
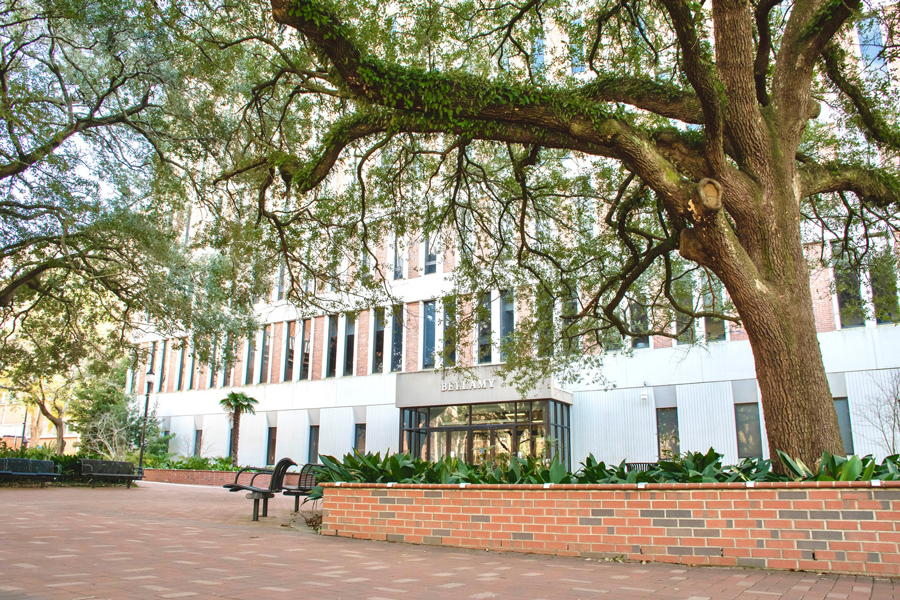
x,y
449,331
523,446
540,441
349,344
331,365
484,329
746,418
359,438
397,339
449,415
481,445
378,349
842,407
667,432
458,444
537,410
503,445
484,414
507,321
429,341
438,445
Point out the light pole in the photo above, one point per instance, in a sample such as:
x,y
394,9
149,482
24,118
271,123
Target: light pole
x,y
150,379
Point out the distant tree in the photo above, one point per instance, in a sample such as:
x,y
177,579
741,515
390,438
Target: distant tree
x,y
235,404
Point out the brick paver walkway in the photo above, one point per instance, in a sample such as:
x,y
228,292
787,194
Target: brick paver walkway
x,y
167,541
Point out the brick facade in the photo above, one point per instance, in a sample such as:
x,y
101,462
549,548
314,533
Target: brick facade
x,y
277,350
319,327
412,337
413,262
851,527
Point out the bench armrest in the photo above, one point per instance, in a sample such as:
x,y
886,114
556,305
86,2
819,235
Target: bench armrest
x,y
255,470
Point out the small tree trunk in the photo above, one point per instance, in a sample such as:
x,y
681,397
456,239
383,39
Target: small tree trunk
x,y
235,435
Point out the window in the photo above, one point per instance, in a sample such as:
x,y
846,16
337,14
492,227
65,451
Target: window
x,y
430,256
639,323
428,342
313,454
349,338
264,367
397,339
198,441
842,408
507,322
883,277
749,439
162,367
846,283
378,349
305,335
270,446
331,356
359,438
251,362
398,260
280,294
291,331
450,331
667,433
712,301
484,328
537,54
871,45
190,381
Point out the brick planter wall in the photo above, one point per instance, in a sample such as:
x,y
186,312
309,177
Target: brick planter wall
x,y
851,527
214,478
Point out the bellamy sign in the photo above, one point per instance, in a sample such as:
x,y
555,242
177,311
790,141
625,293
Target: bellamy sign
x,y
478,384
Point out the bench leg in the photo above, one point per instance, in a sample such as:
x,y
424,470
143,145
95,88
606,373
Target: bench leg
x,y
296,504
256,509
265,507
128,486
93,481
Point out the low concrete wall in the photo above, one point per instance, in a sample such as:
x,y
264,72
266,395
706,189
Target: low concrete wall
x,y
214,478
851,527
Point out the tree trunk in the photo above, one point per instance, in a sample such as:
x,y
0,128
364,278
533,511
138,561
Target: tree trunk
x,y
58,423
235,435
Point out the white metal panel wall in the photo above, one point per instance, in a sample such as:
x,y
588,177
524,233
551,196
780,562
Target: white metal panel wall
x,y
382,428
614,425
706,419
183,442
865,392
253,439
336,431
216,435
293,436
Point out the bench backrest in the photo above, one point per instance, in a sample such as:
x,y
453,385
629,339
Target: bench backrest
x,y
27,465
106,467
308,478
276,482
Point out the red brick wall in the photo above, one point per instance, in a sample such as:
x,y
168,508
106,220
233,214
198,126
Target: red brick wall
x,y
824,526
277,346
140,386
413,262
362,343
237,372
321,324
823,301
412,337
172,368
213,478
661,341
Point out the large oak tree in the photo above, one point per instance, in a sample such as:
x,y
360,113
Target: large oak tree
x,y
625,156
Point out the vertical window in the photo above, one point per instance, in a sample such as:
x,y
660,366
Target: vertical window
x,y
365,272
313,453
378,349
430,256
842,408
712,301
331,356
450,331
305,344
251,362
639,323
264,367
198,441
398,260
213,370
190,381
749,438
179,383
507,322
883,276
349,345
397,339
871,45
270,446
846,283
428,342
290,331
484,328
537,54
280,294
359,438
667,433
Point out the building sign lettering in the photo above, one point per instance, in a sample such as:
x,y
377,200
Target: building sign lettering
x,y
459,386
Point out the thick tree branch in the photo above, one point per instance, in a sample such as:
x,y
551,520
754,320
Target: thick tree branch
x,y
874,187
654,96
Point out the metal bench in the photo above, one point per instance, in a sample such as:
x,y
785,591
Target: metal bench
x,y
304,486
112,470
29,468
639,466
257,493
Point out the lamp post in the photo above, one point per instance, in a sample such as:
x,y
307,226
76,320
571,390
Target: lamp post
x,y
150,379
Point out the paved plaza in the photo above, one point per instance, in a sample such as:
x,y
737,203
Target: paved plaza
x,y
169,541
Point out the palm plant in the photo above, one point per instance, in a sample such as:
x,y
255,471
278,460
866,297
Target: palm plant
x,y
235,404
